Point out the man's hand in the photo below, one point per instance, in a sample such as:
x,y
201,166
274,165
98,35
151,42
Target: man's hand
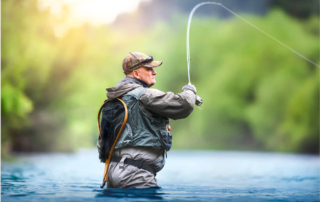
x,y
199,101
189,87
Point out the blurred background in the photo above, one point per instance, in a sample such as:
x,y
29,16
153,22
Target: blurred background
x,y
58,56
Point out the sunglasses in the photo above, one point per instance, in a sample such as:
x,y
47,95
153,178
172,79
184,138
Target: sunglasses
x,y
147,60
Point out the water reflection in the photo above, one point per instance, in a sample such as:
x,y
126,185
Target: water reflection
x,y
134,193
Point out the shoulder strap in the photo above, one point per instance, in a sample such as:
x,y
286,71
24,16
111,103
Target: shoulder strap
x,y
137,92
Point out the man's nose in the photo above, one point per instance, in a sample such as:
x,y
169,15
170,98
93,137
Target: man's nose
x,y
154,72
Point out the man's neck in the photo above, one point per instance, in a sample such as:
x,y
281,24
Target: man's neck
x,y
138,81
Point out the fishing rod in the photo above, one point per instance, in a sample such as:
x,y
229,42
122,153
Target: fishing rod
x,y
219,4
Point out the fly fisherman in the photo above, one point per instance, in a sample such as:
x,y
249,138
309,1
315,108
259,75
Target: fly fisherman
x,y
141,149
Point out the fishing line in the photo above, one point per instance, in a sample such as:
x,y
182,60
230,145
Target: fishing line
x,y
219,4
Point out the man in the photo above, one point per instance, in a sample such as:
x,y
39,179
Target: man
x,y
140,151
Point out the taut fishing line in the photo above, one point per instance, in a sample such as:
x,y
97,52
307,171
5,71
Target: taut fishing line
x,y
219,4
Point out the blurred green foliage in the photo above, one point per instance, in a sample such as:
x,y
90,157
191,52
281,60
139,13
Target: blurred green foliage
x,y
299,8
257,94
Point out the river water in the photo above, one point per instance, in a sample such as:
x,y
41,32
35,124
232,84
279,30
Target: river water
x,y
187,176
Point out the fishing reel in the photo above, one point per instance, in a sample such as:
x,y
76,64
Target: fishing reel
x,y
199,101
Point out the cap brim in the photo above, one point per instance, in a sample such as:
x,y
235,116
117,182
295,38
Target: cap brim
x,y
153,64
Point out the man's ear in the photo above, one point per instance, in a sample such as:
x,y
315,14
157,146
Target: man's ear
x,y
135,74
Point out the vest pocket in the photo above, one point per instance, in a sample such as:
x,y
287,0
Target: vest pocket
x,y
125,137
166,138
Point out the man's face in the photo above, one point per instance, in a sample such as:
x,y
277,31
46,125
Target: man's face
x,y
147,75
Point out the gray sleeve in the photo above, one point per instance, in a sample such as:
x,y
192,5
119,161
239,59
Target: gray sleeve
x,y
174,106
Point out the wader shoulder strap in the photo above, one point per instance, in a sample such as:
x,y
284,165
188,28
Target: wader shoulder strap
x,y
106,171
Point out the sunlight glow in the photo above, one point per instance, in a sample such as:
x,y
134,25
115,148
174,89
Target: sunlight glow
x,y
93,11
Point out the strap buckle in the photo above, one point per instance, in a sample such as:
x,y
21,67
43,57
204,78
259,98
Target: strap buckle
x,y
140,164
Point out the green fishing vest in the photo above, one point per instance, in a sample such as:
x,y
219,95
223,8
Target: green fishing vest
x,y
140,129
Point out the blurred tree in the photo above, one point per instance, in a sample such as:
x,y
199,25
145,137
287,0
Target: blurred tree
x,y
299,8
36,65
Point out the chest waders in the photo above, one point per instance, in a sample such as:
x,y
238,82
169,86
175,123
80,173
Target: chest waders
x,y
106,167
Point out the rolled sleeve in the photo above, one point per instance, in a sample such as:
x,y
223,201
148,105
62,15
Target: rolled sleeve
x,y
174,106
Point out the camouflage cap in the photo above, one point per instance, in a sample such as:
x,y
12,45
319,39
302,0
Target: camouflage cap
x,y
134,58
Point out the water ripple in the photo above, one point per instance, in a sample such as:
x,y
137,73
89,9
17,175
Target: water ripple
x,y
187,176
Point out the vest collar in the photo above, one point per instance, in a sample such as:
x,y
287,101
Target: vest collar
x,y
127,80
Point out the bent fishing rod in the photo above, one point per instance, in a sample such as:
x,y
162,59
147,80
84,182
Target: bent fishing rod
x,y
265,33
